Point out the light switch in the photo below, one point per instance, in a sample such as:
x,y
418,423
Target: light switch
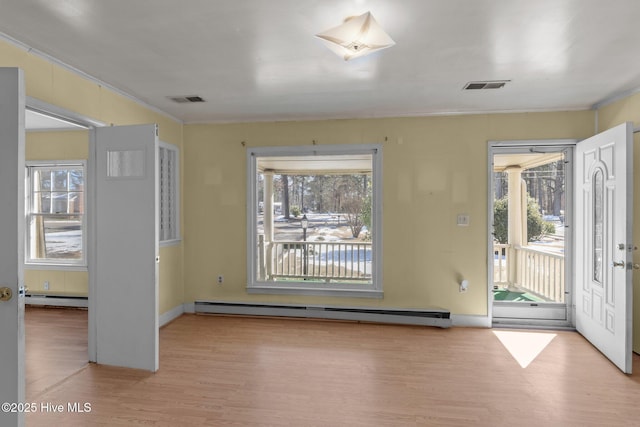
x,y
463,220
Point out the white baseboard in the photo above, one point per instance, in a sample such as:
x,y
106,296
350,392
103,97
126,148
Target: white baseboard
x,y
42,300
471,320
425,317
170,315
189,307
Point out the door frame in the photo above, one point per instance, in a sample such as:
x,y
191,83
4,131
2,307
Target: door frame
x,y
70,116
545,310
91,205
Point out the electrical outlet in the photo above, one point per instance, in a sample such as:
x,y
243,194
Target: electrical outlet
x,y
46,285
220,279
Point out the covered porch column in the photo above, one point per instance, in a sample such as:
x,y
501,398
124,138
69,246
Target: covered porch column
x,y
267,245
517,219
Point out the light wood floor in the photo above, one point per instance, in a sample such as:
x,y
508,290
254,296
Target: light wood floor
x,y
56,346
230,371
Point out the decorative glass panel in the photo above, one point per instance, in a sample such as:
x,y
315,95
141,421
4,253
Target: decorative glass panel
x,y
125,164
168,197
598,224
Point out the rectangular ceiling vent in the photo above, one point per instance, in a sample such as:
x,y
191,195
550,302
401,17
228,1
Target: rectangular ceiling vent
x,y
488,84
186,99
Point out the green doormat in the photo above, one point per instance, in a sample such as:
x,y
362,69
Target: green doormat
x,y
506,295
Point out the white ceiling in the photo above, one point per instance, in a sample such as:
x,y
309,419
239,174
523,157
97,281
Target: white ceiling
x,y
256,60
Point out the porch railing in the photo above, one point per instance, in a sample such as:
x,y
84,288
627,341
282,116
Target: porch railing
x,y
530,269
326,261
501,264
541,273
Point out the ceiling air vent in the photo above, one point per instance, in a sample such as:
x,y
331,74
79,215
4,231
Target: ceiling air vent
x,y
185,99
488,84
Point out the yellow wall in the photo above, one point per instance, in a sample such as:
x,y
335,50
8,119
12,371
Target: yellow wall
x,y
61,282
628,109
56,85
425,252
171,289
57,145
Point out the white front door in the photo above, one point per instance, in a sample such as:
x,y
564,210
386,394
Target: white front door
x,y
603,202
12,199
126,258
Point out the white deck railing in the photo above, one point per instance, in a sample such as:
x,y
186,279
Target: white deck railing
x,y
501,264
536,271
541,273
326,261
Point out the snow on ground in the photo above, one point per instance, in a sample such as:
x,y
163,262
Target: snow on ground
x,y
327,228
64,244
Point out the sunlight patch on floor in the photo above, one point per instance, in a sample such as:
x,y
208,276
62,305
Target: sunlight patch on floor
x,y
524,346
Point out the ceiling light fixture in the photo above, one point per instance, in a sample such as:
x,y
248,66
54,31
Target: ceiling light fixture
x,y
358,36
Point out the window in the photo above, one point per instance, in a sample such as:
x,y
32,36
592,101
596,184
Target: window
x,y
598,224
169,202
56,222
315,220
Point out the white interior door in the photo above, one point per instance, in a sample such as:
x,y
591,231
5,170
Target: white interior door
x,y
603,287
126,269
12,197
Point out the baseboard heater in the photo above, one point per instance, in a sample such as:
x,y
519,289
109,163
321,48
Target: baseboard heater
x,y
56,300
427,317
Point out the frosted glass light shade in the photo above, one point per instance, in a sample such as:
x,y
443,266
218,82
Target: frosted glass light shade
x,y
358,36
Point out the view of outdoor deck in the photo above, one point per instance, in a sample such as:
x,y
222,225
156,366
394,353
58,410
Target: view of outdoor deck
x,y
314,220
539,270
529,239
325,252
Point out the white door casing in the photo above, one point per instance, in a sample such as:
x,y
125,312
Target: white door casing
x,y
12,205
549,313
603,242
126,259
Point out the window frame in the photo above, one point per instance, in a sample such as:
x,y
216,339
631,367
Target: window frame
x,y
51,263
369,290
176,238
